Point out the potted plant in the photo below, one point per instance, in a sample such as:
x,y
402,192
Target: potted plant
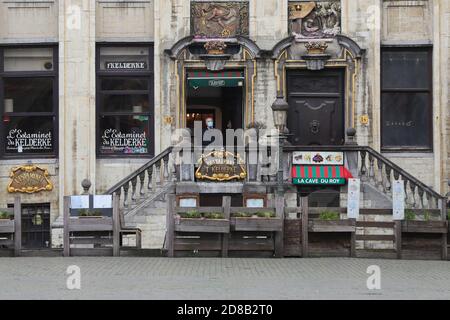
x,y
329,221
424,225
258,221
194,221
87,213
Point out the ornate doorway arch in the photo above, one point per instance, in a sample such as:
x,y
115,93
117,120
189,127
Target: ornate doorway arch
x,y
317,54
238,53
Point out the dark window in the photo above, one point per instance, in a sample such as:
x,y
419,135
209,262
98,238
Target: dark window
x,y
406,99
125,101
28,101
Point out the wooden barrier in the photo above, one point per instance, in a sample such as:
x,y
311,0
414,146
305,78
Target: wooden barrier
x,y
99,233
11,229
242,236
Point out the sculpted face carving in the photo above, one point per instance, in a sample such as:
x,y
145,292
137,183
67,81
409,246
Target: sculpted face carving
x,y
219,19
309,20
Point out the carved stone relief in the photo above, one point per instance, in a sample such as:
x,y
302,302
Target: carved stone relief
x,y
219,19
314,20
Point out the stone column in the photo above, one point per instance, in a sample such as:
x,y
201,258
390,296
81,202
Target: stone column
x,y
76,95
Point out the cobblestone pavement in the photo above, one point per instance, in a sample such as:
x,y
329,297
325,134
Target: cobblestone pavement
x,y
197,278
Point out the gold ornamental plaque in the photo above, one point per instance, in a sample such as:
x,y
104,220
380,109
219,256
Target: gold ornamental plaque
x,y
29,179
220,166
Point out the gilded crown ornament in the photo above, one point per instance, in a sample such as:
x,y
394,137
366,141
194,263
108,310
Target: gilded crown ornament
x,y
316,47
215,47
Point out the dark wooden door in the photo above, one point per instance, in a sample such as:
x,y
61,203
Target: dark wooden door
x,y
316,113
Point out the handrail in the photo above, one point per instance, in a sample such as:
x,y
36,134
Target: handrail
x,y
137,172
377,155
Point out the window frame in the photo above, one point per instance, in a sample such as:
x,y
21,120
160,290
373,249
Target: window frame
x,y
54,74
410,48
146,74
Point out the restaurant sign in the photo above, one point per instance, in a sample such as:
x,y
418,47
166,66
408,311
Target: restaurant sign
x,y
29,179
115,141
220,166
318,158
21,141
320,175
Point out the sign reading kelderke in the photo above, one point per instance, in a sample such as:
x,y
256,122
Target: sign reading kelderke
x,y
125,65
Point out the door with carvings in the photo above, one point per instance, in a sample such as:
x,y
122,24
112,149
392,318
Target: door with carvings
x,y
316,101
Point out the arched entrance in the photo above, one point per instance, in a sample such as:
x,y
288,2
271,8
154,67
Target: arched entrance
x,y
215,79
318,78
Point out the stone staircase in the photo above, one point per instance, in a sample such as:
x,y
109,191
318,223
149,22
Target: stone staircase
x,y
143,194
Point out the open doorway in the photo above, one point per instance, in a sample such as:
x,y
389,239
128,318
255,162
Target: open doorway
x,y
215,99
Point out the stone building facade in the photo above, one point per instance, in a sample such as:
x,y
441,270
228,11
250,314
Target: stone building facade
x,y
87,41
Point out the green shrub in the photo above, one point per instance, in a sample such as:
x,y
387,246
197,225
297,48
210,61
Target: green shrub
x,y
448,214
427,216
192,214
329,215
266,214
242,215
410,214
89,213
213,215
5,215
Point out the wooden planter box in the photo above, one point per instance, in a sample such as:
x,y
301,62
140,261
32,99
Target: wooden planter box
x,y
6,226
202,225
317,225
424,226
257,224
90,224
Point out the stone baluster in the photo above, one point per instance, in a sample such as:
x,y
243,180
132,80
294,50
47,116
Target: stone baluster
x,y
412,187
158,173
379,178
421,198
118,192
388,185
133,190
126,186
141,184
405,186
371,168
150,178
166,168
173,167
363,171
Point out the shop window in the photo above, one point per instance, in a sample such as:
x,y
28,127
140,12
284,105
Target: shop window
x,y
406,99
29,100
125,101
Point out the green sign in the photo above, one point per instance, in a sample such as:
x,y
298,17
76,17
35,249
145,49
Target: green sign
x,y
216,82
319,181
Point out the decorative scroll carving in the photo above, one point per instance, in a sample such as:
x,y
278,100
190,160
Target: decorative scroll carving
x,y
219,19
29,179
314,19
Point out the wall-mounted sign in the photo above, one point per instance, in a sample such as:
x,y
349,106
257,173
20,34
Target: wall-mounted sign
x,y
354,186
220,166
21,141
115,141
126,65
317,158
398,200
320,175
29,179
